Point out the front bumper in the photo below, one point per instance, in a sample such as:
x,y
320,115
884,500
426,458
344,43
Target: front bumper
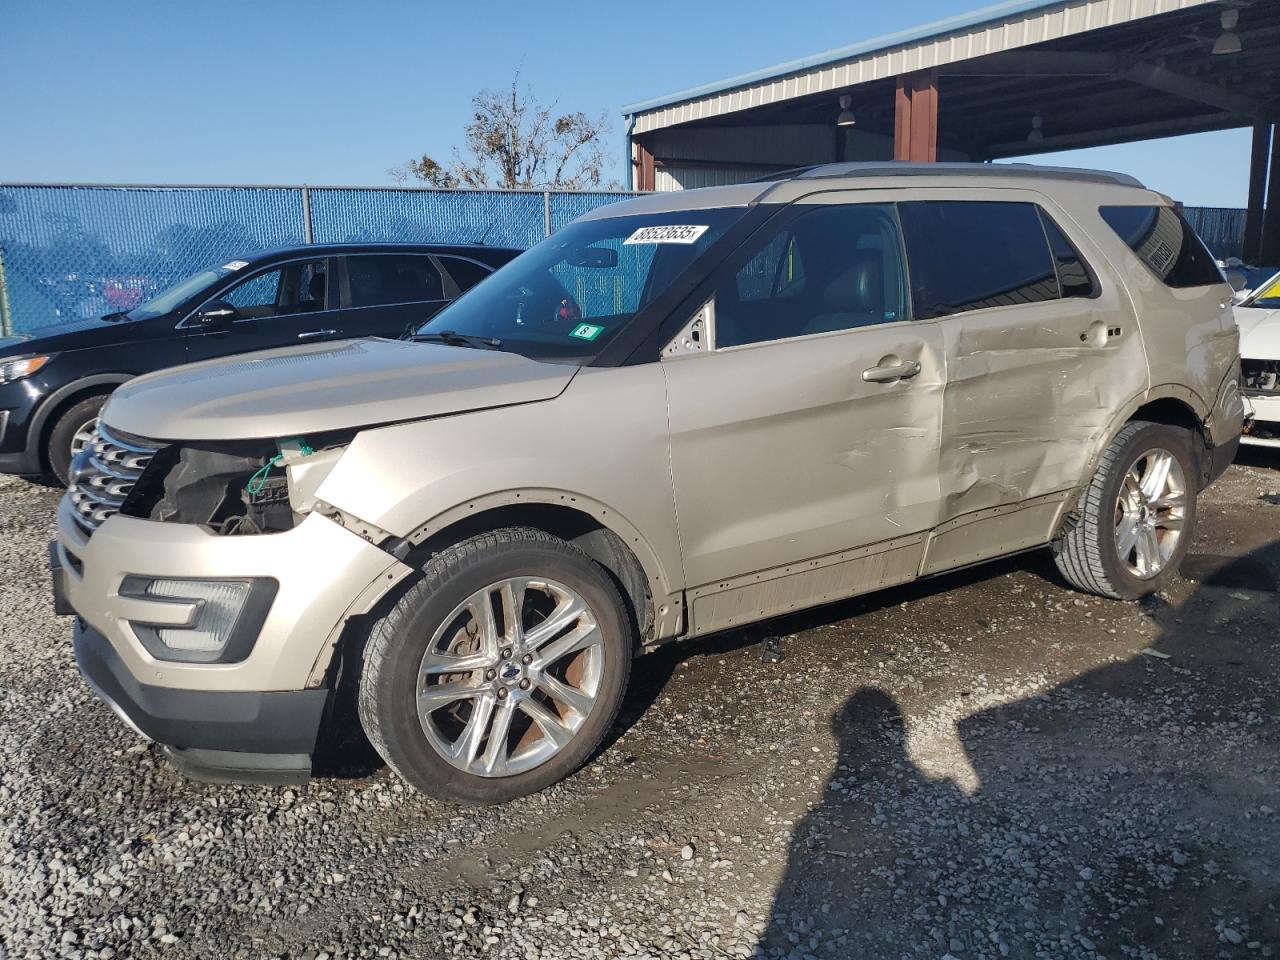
x,y
18,454
237,735
326,574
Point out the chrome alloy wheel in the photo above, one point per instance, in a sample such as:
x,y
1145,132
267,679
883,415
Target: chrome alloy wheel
x,y
510,676
83,436
1150,510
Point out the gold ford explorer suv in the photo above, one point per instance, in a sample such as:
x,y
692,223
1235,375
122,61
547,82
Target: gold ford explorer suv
x,y
680,414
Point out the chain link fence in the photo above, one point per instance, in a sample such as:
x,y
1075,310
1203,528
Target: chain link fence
x,y
71,253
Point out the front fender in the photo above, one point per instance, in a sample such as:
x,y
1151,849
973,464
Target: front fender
x,y
600,448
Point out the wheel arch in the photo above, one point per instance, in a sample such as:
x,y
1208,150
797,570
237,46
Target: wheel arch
x,y
594,527
600,532
1171,404
62,400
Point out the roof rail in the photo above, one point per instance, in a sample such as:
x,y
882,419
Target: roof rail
x,y
901,169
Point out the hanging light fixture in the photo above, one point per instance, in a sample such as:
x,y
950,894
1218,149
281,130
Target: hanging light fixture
x,y
1036,134
846,117
1228,40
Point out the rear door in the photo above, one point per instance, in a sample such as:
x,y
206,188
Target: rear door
x,y
1041,354
811,427
277,306
385,294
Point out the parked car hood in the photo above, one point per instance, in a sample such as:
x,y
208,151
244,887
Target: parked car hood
x,y
1259,332
75,335
295,391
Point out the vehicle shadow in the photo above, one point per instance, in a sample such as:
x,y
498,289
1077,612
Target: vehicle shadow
x,y
1131,811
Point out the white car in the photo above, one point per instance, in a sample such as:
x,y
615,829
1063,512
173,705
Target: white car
x,y
1259,322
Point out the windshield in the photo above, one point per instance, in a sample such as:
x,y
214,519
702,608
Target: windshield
x,y
570,295
1268,295
173,297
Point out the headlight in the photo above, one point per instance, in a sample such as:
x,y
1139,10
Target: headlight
x,y
200,621
18,367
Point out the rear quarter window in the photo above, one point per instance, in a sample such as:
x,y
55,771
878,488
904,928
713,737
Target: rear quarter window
x,y
1165,242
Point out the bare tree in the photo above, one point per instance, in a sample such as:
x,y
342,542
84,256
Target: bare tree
x,y
515,141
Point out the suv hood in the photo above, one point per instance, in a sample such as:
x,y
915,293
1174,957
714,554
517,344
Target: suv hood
x,y
1259,332
352,383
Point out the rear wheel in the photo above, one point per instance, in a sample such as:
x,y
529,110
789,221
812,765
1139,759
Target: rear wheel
x,y
500,671
71,433
1137,516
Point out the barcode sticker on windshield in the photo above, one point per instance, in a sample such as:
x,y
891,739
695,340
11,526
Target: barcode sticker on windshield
x,y
671,233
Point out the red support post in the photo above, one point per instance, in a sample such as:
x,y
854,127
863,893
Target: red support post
x,y
915,129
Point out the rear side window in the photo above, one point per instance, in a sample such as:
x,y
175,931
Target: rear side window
x,y
379,279
465,273
975,254
1166,243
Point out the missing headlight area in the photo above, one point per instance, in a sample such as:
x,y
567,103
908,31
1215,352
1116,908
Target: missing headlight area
x,y
1260,376
233,487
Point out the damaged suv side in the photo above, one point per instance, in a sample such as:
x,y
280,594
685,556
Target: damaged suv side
x,y
679,415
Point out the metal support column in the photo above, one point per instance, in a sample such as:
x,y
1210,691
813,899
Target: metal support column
x,y
306,215
646,174
1269,254
6,318
915,117
1252,249
546,213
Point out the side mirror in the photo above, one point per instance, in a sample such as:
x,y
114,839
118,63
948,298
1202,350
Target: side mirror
x,y
217,315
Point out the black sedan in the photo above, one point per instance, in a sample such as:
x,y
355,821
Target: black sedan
x,y
54,380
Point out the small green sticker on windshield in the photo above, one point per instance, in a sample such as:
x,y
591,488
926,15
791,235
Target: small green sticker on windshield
x,y
586,331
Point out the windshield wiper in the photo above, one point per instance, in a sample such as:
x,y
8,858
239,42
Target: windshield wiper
x,y
458,339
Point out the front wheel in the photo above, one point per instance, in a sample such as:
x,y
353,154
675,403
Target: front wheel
x,y
1136,518
500,671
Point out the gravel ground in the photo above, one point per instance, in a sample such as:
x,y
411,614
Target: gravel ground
x,y
983,765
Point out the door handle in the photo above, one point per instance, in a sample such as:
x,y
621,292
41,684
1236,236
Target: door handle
x,y
892,373
316,333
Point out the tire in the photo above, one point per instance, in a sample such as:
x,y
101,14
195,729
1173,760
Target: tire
x,y
67,432
1088,550
439,620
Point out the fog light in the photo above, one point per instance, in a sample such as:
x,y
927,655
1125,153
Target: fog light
x,y
204,621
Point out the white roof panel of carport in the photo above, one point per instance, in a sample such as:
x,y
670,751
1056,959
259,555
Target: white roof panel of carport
x,y
994,29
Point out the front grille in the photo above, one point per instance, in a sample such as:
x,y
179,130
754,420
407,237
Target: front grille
x,y
104,474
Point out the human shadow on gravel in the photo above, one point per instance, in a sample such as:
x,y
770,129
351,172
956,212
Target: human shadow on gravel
x,y
1130,811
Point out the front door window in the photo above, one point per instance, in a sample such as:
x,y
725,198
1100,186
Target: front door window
x,y
291,289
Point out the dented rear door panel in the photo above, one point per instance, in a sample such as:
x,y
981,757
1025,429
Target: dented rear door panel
x,y
1032,391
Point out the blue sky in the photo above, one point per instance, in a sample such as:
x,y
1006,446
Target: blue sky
x,y
283,91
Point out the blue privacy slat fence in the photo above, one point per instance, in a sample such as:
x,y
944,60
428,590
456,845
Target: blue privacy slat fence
x,y
72,252
1221,228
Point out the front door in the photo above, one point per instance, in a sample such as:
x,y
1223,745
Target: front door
x,y
278,306
806,438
